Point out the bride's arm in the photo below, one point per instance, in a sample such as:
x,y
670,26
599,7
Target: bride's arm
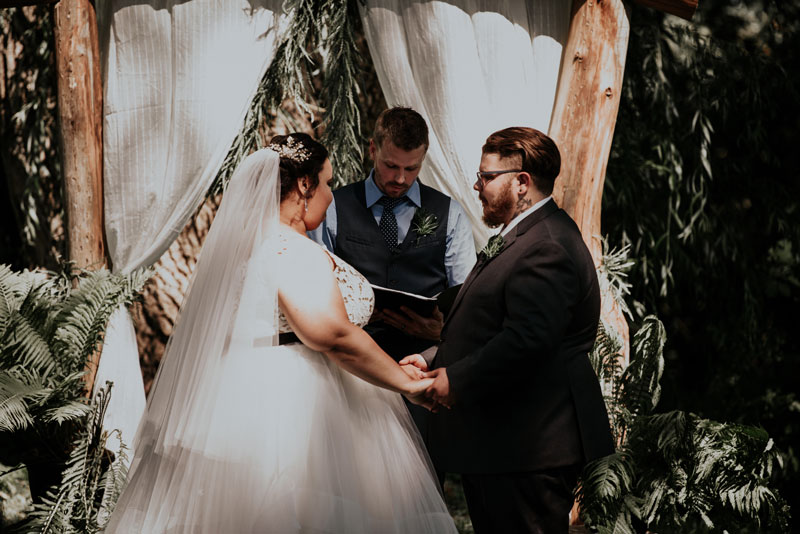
x,y
310,299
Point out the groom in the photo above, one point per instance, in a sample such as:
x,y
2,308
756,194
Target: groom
x,y
526,409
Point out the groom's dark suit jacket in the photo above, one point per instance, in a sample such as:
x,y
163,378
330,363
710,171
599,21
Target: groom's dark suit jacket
x,y
515,346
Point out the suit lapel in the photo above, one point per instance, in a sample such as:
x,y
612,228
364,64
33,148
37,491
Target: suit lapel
x,y
523,226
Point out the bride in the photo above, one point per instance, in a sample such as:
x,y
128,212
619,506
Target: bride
x,y
273,411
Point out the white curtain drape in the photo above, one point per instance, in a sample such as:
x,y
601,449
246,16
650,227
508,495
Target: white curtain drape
x,y
470,67
178,79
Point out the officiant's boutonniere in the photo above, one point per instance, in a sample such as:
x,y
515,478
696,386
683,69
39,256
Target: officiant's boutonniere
x,y
493,247
424,223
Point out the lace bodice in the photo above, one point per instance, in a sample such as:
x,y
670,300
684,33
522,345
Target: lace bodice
x,y
359,300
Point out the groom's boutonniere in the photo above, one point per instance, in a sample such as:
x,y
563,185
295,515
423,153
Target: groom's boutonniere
x,y
424,223
493,247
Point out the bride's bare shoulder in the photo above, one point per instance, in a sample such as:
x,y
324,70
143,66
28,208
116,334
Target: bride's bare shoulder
x,y
298,252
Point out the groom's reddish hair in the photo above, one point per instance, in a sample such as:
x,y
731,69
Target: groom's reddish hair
x,y
539,154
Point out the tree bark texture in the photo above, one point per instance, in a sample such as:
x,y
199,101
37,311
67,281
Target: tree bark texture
x,y
80,110
583,122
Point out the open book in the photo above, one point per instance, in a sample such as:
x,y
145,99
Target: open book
x,y
392,299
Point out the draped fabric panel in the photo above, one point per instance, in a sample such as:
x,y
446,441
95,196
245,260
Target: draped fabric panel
x,y
470,67
178,79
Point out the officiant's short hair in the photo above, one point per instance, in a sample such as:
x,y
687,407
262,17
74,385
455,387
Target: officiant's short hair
x,y
404,127
540,156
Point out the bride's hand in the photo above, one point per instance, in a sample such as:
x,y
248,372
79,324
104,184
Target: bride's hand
x,y
415,393
413,372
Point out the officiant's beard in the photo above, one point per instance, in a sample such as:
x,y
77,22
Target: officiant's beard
x,y
496,211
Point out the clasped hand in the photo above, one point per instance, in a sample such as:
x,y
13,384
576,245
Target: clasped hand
x,y
437,392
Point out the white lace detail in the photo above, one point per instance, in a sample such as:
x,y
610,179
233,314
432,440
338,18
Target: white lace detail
x,y
359,300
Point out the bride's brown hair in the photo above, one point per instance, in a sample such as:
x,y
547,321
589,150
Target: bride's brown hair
x,y
300,156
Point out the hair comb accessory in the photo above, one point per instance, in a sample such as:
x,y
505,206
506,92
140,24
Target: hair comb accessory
x,y
292,150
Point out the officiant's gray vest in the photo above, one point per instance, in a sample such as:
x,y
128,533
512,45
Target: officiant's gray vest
x,y
416,265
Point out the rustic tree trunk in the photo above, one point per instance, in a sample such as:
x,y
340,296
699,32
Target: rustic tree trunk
x,y
80,113
583,121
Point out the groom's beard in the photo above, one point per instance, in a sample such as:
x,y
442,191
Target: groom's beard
x,y
496,212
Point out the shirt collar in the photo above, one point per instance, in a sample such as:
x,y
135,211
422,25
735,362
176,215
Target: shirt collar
x,y
524,214
373,194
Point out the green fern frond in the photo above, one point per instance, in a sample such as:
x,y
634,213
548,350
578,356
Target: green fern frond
x,y
87,487
606,349
17,391
113,482
83,317
13,288
85,314
608,477
72,410
24,345
641,382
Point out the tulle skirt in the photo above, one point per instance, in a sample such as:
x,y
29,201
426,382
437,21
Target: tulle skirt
x,y
293,444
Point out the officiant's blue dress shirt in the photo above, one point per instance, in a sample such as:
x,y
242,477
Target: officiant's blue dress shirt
x,y
460,247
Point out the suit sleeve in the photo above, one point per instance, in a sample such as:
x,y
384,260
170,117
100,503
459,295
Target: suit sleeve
x,y
540,295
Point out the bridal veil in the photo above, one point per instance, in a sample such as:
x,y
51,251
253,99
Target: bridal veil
x,y
191,435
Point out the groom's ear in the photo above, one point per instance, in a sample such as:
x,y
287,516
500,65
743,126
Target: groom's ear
x,y
524,182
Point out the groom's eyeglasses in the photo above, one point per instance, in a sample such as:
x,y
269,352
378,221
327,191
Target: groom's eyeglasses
x,y
487,176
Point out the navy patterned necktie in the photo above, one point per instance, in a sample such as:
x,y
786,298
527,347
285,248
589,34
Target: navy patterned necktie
x,y
388,224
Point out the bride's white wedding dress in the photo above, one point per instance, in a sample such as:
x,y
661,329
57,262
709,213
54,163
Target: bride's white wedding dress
x,y
293,443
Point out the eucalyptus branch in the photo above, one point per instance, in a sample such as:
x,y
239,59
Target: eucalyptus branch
x,y
286,76
342,118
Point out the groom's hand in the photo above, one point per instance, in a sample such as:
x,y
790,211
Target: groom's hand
x,y
439,391
416,393
414,324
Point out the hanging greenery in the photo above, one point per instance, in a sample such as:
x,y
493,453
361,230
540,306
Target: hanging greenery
x,y
317,44
342,118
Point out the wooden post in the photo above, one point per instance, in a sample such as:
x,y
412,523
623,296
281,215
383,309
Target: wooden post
x,y
583,121
80,107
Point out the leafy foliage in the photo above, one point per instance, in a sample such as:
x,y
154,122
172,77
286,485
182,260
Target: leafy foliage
x,y
342,117
47,333
318,42
674,472
91,482
28,130
702,185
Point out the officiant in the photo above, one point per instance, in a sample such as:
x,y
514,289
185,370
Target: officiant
x,y
399,233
